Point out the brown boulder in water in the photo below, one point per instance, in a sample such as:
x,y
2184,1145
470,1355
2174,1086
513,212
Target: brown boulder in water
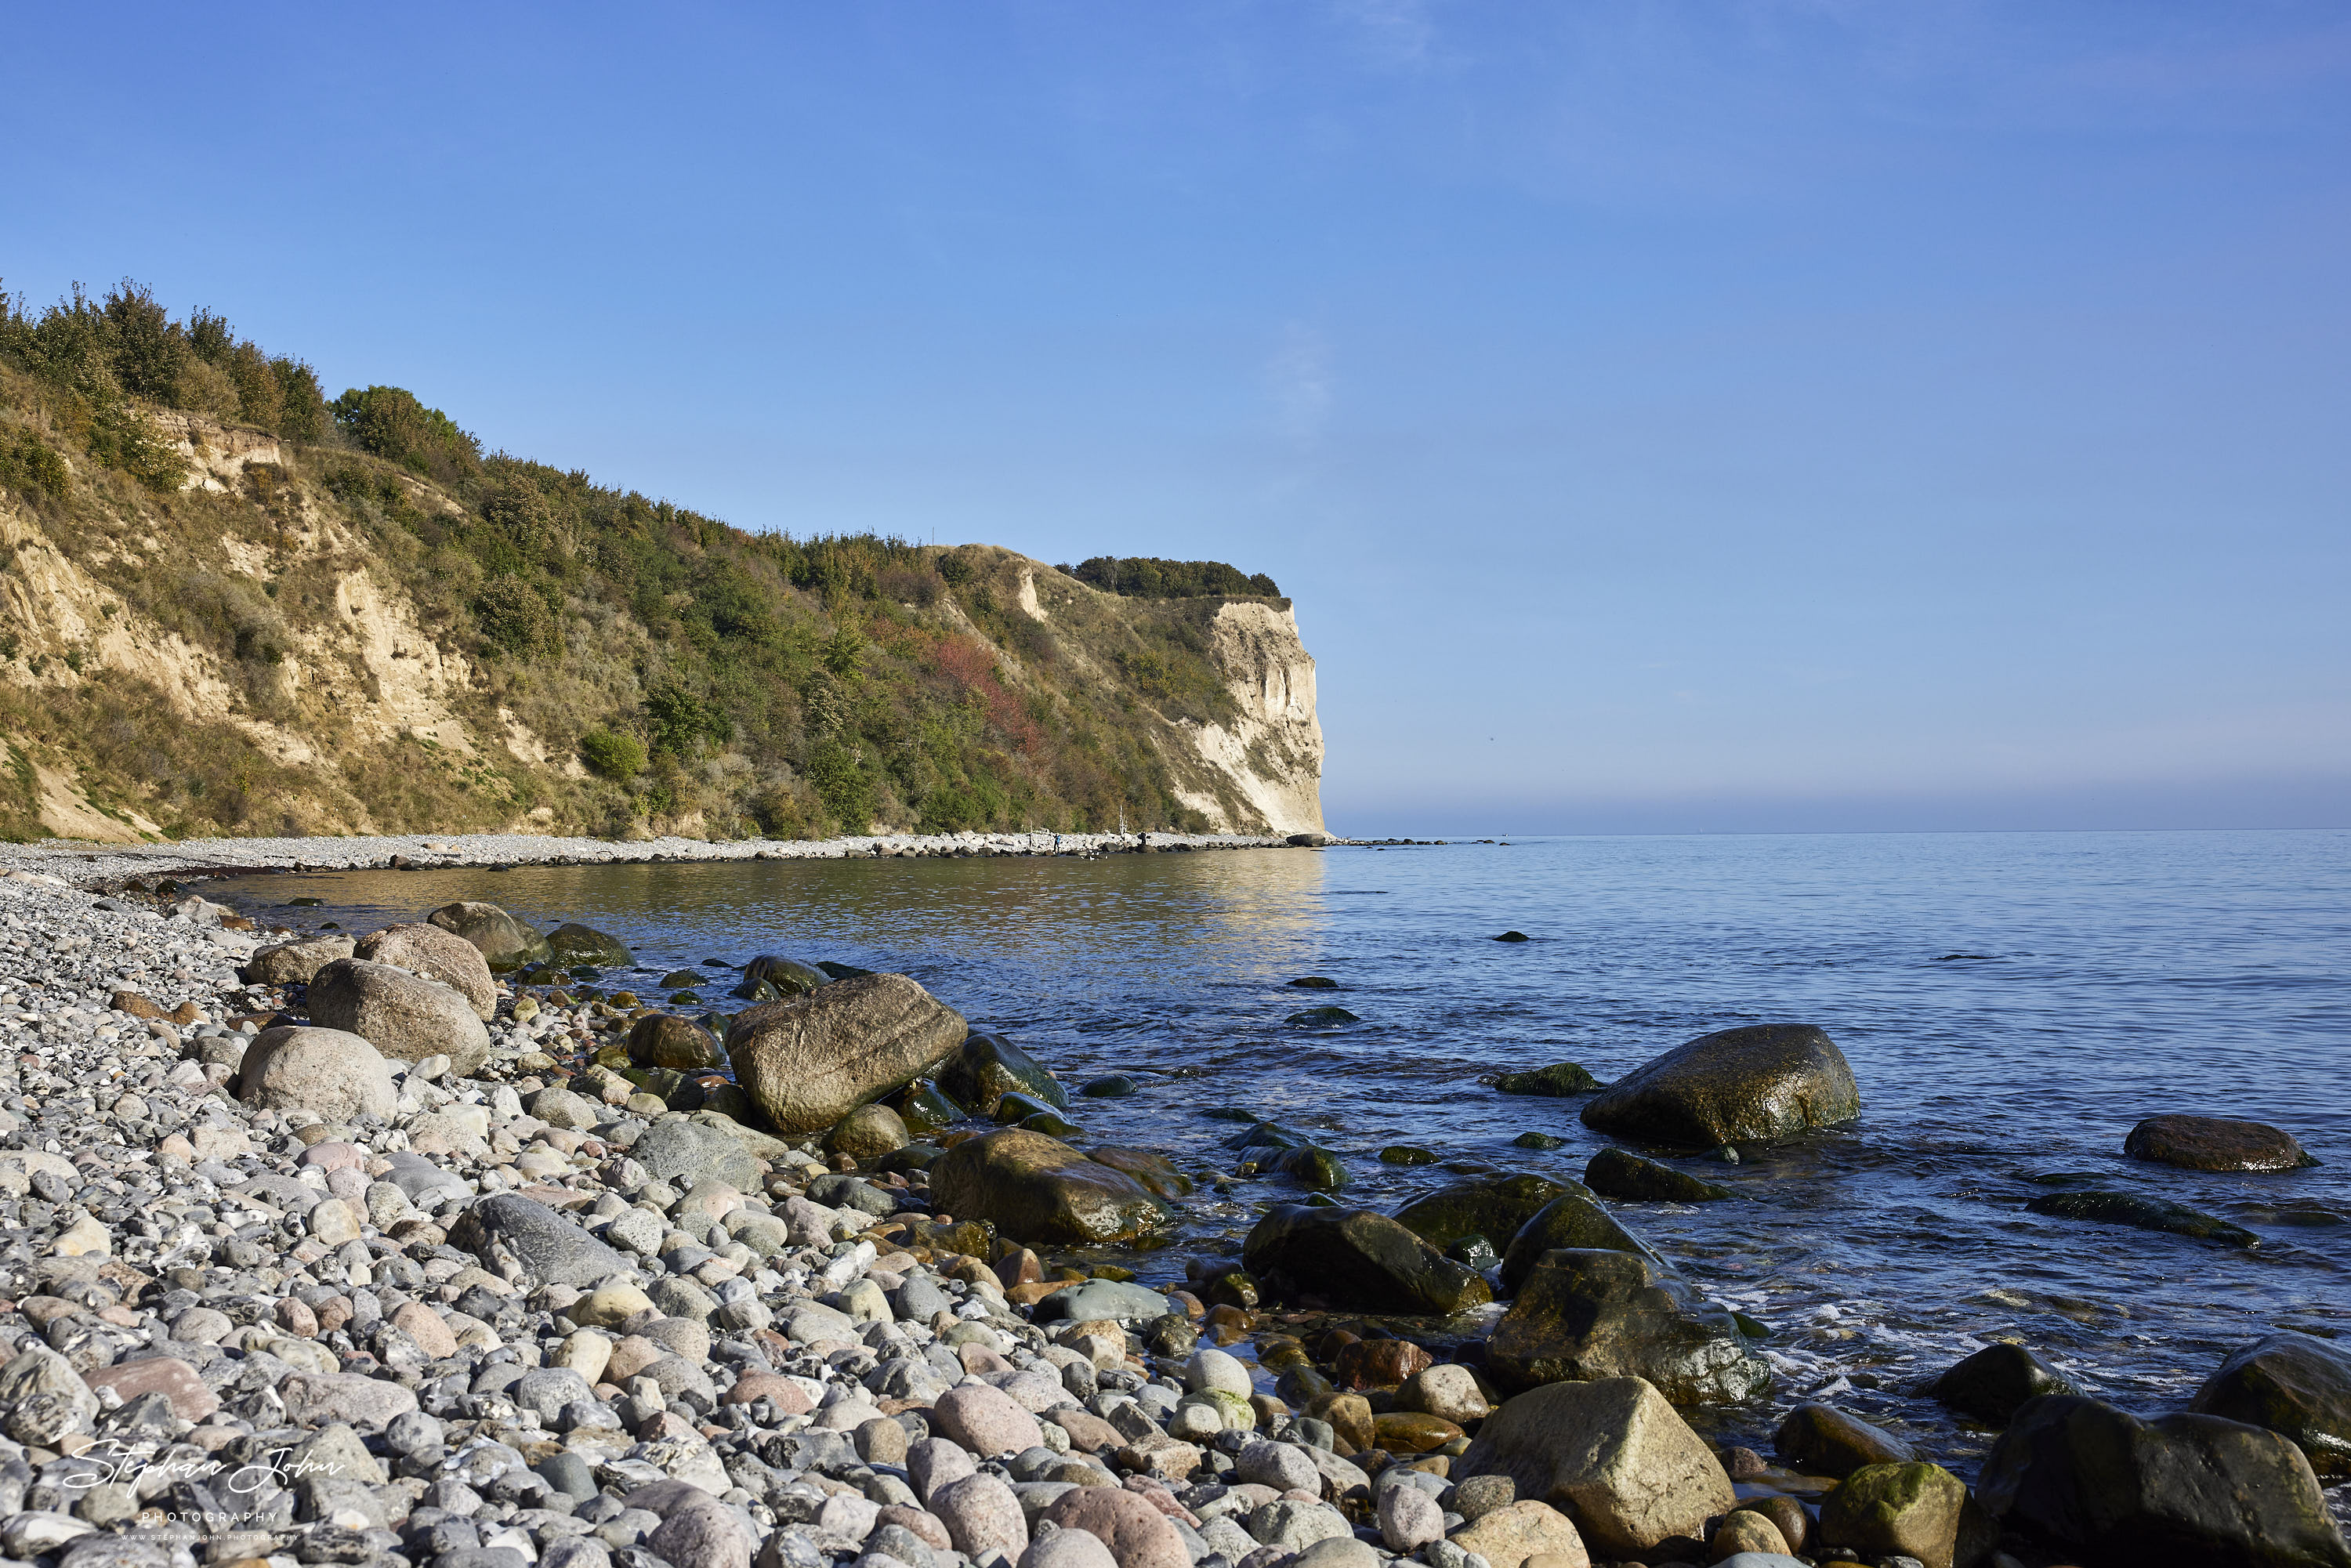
x,y
1763,1082
2215,1143
811,1061
1035,1188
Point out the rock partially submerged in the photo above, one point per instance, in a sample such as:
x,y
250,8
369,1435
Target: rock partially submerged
x,y
504,942
1491,1207
809,1062
1590,1315
985,1068
1622,1174
2293,1384
1761,1083
2143,1213
1572,1219
2215,1143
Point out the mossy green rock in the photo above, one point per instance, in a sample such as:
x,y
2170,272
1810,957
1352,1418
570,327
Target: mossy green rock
x,y
1407,1155
1912,1509
1318,1170
923,1109
2101,1483
1018,1106
1494,1206
1052,1123
754,990
1543,1142
686,979
1353,1259
1034,1187
1616,1173
987,1067
1558,1081
1575,1219
574,944
789,975
2143,1213
1270,1136
665,1040
2293,1384
1587,1314
1757,1083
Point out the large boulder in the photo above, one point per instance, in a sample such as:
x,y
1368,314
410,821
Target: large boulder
x,y
682,1152
2114,1490
1821,1440
1611,1455
1034,1187
809,1062
293,963
987,1067
1357,1260
504,942
1575,1219
331,1074
2215,1143
1586,1314
665,1040
436,955
2293,1384
1762,1081
552,1249
401,1014
572,943
1491,1207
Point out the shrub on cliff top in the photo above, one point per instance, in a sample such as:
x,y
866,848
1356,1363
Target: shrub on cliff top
x,y
1148,577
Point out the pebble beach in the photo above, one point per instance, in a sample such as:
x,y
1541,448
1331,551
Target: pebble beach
x,y
355,1250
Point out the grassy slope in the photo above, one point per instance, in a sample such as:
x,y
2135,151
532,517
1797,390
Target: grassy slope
x,y
791,687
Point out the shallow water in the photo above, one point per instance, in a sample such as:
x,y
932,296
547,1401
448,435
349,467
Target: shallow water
x,y
2112,976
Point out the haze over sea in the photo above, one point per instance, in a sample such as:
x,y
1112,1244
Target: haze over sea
x,y
2012,1004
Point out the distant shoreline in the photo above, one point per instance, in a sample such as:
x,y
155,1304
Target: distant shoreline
x,y
90,864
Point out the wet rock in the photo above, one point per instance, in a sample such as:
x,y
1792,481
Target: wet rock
x,y
1111,1086
1572,1219
572,945
789,975
663,1040
1762,1081
1558,1081
2215,1143
436,955
293,963
1990,1384
866,1134
1321,1018
1508,1537
1544,1142
2143,1213
1359,1260
2293,1384
1611,1455
923,1109
1590,1315
504,942
552,1249
1912,1509
683,1153
1036,1189
1316,1169
811,1061
1487,1206
402,1015
2090,1478
1819,1441
1617,1173
1406,1155
328,1071
987,1067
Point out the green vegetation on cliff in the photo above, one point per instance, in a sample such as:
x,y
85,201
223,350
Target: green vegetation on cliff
x,y
231,605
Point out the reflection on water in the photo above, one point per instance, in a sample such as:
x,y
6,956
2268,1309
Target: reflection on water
x,y
2012,1004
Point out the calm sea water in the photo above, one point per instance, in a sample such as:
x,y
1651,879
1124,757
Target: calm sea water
x,y
2108,976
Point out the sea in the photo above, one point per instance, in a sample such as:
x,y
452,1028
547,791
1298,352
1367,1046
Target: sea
x,y
2012,1004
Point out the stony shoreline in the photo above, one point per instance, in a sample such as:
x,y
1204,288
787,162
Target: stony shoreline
x,y
88,864
439,1287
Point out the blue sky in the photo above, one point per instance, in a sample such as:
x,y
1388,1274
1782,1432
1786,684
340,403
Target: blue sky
x,y
1666,416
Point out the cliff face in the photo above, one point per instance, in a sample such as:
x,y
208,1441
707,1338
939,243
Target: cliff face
x,y
308,640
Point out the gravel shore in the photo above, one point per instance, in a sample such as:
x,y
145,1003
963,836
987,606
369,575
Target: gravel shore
x,y
93,865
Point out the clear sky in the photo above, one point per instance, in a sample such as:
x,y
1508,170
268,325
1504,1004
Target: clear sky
x,y
1666,416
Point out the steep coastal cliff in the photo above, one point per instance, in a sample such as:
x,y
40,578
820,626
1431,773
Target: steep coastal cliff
x,y
351,621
